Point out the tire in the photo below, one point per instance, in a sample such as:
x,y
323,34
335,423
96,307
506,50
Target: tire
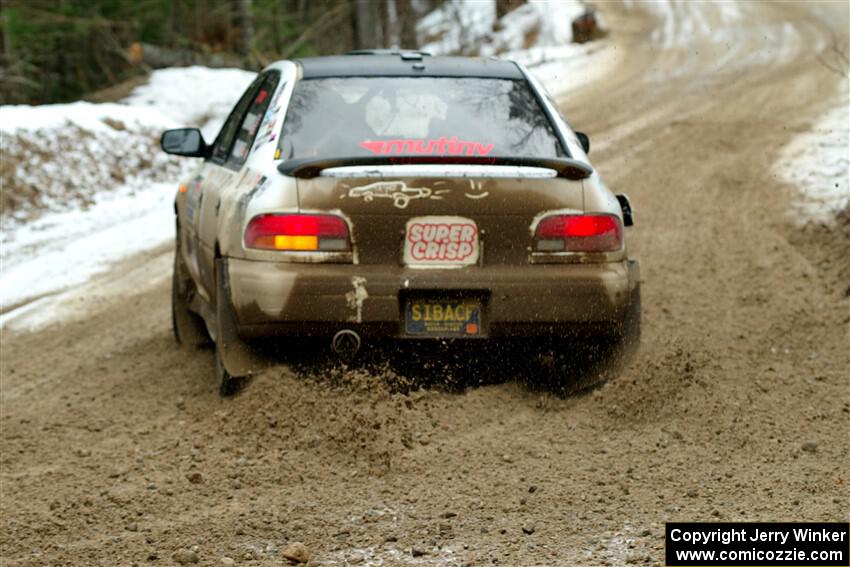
x,y
585,363
188,327
229,348
625,340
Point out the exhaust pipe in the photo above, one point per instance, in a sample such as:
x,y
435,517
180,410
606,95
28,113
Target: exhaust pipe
x,y
346,344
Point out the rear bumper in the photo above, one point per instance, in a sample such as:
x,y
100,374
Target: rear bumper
x,y
272,298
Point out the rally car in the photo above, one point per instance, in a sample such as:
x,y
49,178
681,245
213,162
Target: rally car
x,y
392,196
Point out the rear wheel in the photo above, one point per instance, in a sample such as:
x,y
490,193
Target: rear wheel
x,y
188,327
581,364
625,340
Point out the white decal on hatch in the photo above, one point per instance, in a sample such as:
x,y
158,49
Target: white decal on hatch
x,y
398,191
475,186
440,242
356,297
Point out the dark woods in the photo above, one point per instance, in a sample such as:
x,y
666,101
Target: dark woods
x,y
60,50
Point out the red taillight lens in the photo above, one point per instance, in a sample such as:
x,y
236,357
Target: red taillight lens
x,y
579,233
298,232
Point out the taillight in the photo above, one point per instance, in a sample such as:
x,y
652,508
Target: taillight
x,y
579,233
298,232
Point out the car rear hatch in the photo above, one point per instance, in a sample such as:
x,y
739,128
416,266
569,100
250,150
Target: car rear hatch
x,y
435,222
436,169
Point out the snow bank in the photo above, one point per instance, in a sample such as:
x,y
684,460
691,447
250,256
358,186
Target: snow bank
x,y
470,28
63,156
817,163
456,27
84,115
680,23
67,156
65,249
537,34
85,184
193,96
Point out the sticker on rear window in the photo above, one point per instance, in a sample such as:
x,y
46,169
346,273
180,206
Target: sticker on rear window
x,y
444,242
435,147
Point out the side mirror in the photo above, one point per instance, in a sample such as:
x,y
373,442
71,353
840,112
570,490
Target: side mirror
x,y
626,207
584,141
187,142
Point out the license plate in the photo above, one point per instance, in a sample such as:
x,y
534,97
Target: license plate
x,y
443,317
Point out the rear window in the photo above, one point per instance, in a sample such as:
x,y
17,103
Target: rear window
x,y
414,116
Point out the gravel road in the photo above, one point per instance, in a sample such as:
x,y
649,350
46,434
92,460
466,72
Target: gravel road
x,y
116,448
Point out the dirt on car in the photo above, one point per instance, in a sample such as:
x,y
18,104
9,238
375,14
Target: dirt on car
x,y
117,449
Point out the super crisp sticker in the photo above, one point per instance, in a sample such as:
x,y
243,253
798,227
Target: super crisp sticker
x,y
440,242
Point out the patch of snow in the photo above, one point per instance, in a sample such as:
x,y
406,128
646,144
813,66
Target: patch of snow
x,y
89,185
817,163
67,156
193,96
727,29
456,26
538,25
537,34
681,23
471,28
65,249
87,116
565,68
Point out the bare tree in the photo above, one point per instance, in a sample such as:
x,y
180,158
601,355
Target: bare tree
x,y
367,24
407,18
245,24
505,6
391,32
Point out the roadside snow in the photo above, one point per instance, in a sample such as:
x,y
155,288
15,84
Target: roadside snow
x,y
64,156
60,251
193,96
85,185
456,26
470,28
537,34
681,23
67,156
735,31
84,115
817,163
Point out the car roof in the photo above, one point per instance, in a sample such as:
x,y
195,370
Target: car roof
x,y
406,64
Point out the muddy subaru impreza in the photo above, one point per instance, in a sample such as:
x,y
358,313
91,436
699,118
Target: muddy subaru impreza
x,y
395,196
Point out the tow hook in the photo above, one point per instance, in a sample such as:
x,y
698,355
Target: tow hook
x,y
346,344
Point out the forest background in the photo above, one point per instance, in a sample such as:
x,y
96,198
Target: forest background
x,y
62,50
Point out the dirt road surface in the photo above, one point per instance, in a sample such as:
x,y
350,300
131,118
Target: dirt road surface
x,y
116,448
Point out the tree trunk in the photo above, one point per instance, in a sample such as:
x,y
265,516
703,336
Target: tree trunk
x,y
390,18
245,24
505,6
367,25
407,21
276,39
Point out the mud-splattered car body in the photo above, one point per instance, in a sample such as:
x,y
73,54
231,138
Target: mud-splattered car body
x,y
382,222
